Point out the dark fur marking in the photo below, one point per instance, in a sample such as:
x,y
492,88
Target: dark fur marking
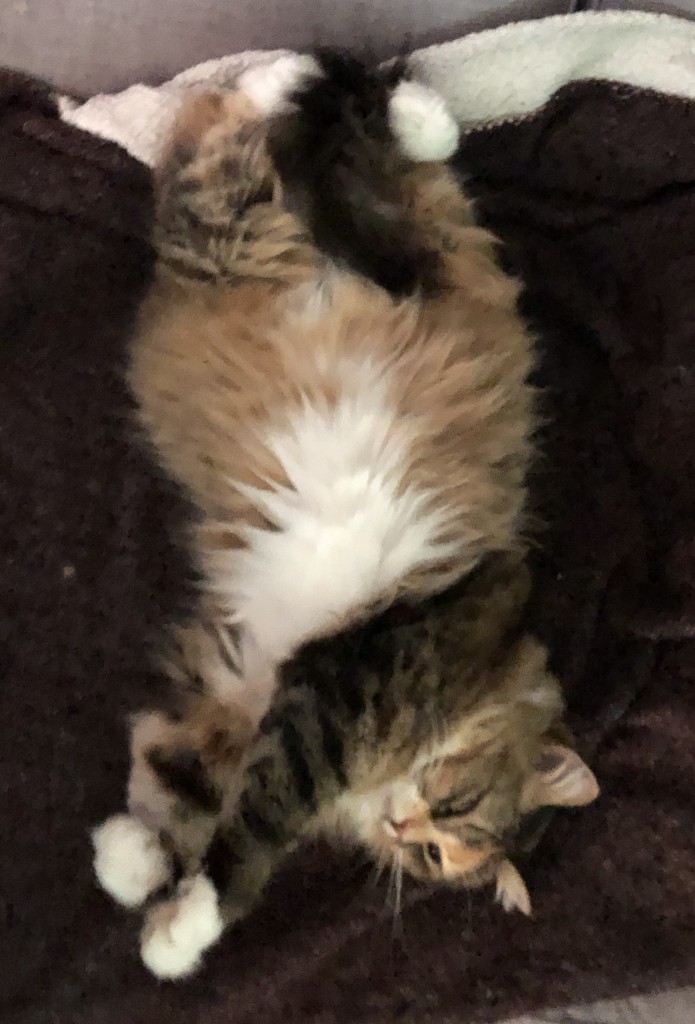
x,y
348,681
195,682
183,773
220,861
262,830
530,831
184,268
298,764
333,746
271,721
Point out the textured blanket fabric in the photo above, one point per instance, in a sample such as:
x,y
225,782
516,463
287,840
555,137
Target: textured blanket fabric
x,y
595,198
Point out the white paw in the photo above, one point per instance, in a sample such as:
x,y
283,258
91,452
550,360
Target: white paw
x,y
421,122
178,931
270,85
129,861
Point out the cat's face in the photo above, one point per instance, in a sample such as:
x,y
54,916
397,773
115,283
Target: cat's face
x,y
457,820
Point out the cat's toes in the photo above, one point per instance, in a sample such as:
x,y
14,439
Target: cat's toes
x,y
129,860
270,85
421,122
178,931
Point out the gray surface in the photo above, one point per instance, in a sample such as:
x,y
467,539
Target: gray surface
x,y
681,8
89,46
675,1007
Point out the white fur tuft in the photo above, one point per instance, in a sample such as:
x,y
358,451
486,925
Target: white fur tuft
x,y
178,931
269,86
421,122
129,861
349,528
511,890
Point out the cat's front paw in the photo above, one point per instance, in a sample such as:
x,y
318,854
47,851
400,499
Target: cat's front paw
x,y
129,861
270,85
421,122
178,931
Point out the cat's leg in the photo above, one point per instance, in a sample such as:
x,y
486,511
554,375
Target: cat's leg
x,y
220,213
130,860
418,115
293,773
468,254
179,766
290,787
147,799
167,828
179,930
180,770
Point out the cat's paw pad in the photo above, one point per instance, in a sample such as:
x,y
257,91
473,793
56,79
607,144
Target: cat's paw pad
x,y
421,122
129,860
178,931
270,85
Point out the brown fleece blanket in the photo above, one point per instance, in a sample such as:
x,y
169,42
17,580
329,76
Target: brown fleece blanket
x,y
595,198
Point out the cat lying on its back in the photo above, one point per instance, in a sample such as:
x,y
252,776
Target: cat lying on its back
x,y
345,446
344,396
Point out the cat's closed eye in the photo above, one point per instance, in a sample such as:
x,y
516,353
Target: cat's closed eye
x,y
459,809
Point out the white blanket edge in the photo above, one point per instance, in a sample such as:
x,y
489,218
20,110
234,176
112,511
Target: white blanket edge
x,y
486,78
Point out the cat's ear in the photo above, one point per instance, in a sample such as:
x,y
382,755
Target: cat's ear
x,y
511,889
559,779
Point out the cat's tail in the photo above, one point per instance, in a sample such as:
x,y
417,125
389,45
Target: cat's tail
x,y
341,150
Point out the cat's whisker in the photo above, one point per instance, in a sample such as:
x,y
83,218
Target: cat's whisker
x,y
389,885
392,889
383,864
379,868
398,889
397,931
399,883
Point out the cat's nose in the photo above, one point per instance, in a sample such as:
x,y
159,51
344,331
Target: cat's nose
x,y
399,827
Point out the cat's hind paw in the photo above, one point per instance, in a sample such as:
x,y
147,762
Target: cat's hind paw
x,y
179,930
421,122
129,860
270,86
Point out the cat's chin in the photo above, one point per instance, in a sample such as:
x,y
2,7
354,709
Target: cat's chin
x,y
380,850
380,840
366,824
385,836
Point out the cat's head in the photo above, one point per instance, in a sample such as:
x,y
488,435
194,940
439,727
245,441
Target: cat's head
x,y
461,816
461,821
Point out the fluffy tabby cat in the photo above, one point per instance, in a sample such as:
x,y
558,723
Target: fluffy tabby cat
x,y
343,392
